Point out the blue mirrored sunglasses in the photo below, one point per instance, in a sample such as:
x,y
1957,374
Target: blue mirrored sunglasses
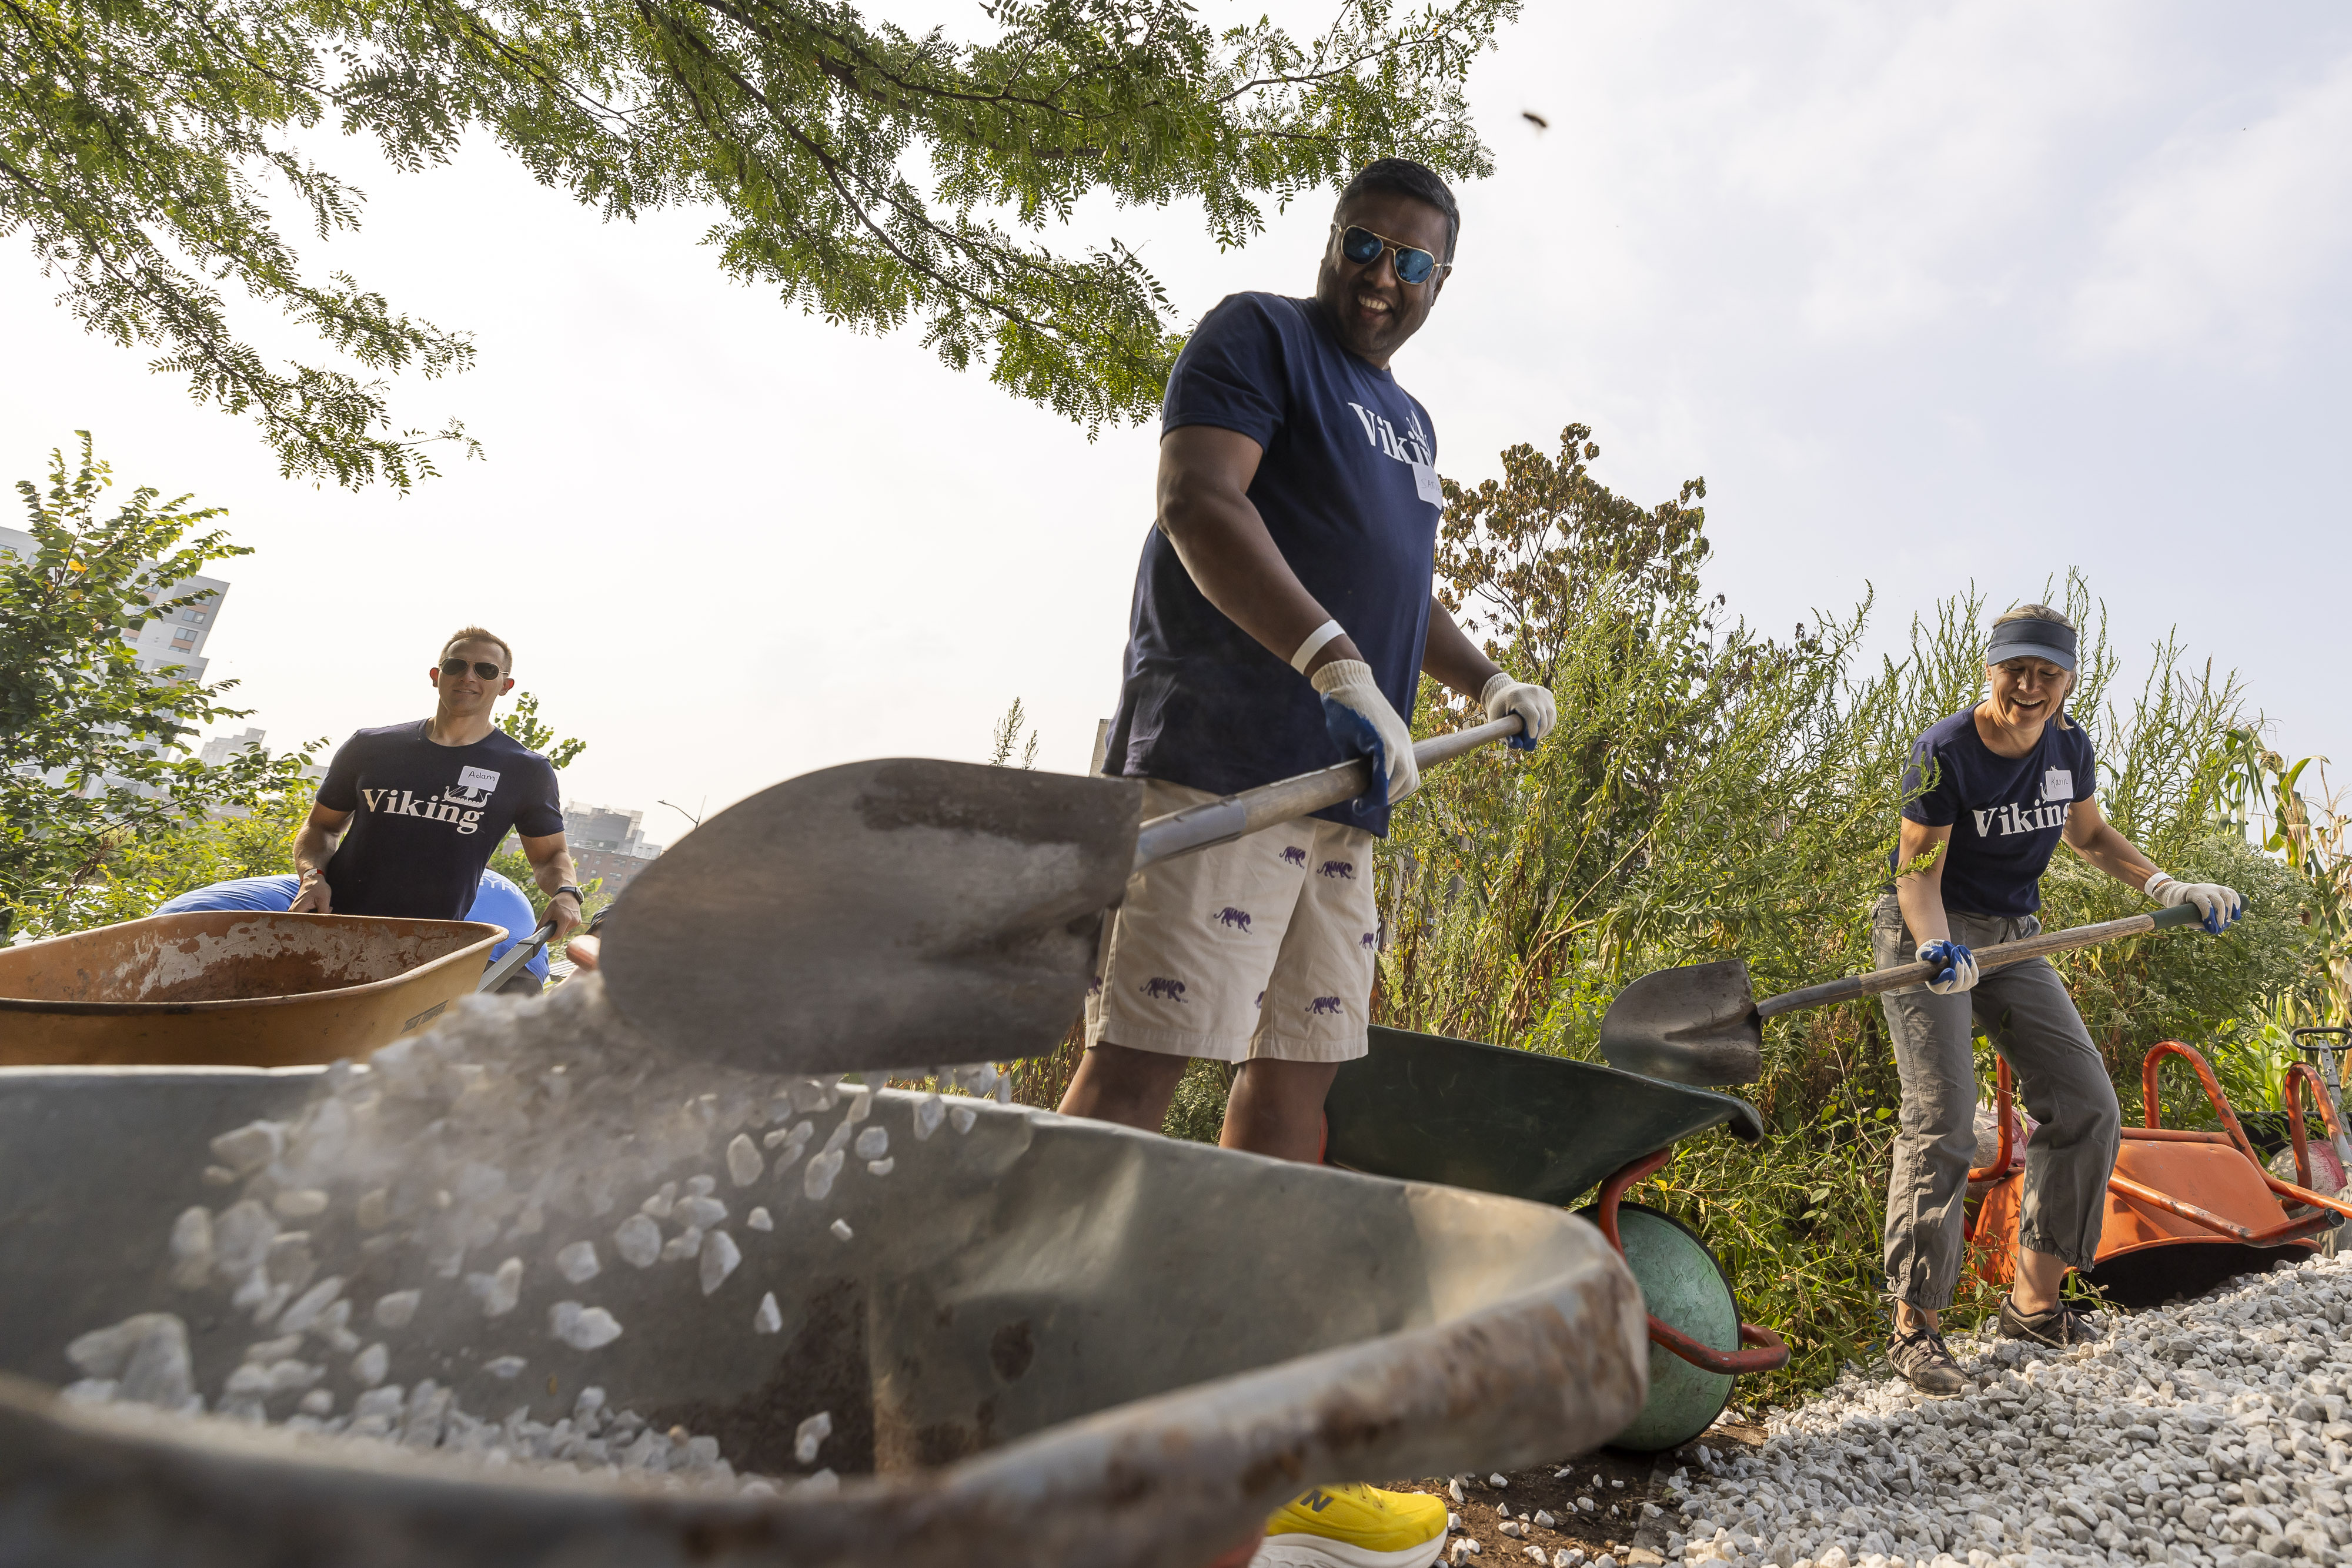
x,y
1361,246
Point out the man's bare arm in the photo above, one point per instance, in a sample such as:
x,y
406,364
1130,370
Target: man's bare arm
x,y
550,867
1450,656
314,846
1205,510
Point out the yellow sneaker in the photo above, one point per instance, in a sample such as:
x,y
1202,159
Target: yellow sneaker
x,y
1355,1527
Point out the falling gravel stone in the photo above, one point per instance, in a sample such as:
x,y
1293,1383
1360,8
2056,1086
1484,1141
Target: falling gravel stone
x,y
757,1221
192,1248
818,1183
300,1203
687,1243
743,1162
306,1308
395,1311
841,1228
768,1319
500,1290
719,1257
638,1241
880,1167
508,1367
929,1112
371,1364
872,1143
702,1212
577,1262
810,1434
241,1238
963,1116
659,1205
318,1402
1499,1480
250,1148
146,1357
582,1328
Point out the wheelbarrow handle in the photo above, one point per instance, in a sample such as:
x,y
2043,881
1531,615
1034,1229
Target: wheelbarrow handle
x,y
1873,982
1219,822
519,955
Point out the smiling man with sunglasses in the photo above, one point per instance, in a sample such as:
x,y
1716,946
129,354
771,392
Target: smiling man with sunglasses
x,y
1283,618
419,808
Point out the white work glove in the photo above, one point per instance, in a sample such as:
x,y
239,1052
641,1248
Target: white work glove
x,y
2219,906
1360,719
1960,972
1532,703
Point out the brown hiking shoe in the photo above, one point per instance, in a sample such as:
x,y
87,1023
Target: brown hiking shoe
x,y
2063,1325
1925,1362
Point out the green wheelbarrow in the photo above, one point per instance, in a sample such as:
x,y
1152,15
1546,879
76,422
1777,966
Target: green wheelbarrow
x,y
1423,1107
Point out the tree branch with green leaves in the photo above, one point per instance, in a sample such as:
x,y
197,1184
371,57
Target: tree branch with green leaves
x,y
143,142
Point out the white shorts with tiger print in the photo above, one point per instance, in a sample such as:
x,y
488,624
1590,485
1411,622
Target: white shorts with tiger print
x,y
1261,948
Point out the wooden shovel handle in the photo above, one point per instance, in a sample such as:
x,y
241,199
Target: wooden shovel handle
x,y
1215,822
1854,987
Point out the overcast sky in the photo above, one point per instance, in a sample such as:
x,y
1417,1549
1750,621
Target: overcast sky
x,y
1929,294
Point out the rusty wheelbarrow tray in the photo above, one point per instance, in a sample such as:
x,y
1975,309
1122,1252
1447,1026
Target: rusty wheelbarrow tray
x,y
239,988
2174,1187
1052,1342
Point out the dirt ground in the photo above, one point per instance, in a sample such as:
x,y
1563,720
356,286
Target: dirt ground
x,y
1627,1481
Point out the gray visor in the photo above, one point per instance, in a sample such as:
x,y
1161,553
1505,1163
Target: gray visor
x,y
2051,640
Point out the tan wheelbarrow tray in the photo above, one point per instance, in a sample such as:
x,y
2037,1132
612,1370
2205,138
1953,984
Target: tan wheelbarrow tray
x,y
236,987
2176,1189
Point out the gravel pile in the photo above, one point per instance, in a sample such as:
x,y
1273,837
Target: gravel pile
x,y
2211,1432
518,1144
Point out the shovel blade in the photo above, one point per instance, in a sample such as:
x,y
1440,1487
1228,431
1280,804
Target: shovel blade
x,y
876,914
1694,1025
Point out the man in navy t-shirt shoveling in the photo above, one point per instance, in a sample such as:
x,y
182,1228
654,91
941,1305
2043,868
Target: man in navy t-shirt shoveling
x,y
419,808
1283,618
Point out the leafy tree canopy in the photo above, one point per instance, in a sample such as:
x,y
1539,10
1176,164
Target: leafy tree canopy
x,y
142,141
93,748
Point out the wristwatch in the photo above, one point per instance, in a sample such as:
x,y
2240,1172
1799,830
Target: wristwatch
x,y
577,896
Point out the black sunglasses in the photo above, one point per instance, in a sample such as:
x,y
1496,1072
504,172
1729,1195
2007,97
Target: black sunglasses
x,y
453,668
1413,267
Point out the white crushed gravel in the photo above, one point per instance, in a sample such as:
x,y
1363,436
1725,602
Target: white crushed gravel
x,y
2209,1432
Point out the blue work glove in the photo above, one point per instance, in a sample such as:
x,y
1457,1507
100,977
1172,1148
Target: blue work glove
x,y
2219,906
1959,967
1363,724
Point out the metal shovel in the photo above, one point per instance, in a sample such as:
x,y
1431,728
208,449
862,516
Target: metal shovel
x,y
916,912
1701,1024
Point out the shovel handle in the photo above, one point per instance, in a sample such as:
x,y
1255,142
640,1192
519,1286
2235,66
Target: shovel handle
x,y
1218,821
516,957
1854,987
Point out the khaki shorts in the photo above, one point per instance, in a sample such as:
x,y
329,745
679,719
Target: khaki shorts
x,y
1261,948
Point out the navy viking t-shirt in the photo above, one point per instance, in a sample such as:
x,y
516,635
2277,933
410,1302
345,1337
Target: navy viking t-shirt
x,y
425,819
2006,813
1348,490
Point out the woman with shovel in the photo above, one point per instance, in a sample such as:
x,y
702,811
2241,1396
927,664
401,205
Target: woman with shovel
x,y
1987,795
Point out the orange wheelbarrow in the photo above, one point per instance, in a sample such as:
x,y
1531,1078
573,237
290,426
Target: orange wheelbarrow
x,y
2184,1209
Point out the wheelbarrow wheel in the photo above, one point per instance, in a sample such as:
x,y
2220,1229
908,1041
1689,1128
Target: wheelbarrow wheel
x,y
1686,1288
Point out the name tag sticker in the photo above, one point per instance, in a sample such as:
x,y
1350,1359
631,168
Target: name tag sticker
x,y
1425,485
476,778
2058,784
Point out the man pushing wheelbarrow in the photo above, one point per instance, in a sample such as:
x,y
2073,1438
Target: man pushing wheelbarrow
x,y
1987,795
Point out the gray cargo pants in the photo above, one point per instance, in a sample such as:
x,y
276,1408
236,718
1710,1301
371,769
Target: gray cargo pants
x,y
2031,1022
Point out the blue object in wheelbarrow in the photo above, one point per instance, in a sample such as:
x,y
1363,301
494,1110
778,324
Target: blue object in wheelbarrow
x,y
1423,1107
